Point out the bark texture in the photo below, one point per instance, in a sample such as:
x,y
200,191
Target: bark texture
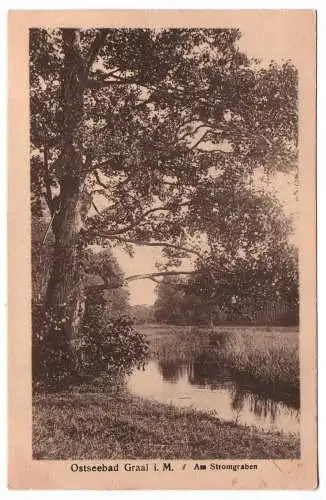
x,y
65,285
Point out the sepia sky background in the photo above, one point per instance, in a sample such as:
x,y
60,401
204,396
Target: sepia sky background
x,y
264,43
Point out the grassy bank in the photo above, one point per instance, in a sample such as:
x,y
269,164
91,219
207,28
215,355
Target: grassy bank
x,y
94,424
267,356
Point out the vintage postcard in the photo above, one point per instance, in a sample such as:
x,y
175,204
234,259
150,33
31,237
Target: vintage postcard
x,y
162,240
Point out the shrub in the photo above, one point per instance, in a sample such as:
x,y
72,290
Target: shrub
x,y
111,346
108,345
114,347
51,353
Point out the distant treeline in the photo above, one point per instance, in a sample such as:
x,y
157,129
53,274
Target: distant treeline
x,y
237,301
272,314
175,304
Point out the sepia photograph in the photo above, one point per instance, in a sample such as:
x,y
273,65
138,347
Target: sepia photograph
x,y
165,283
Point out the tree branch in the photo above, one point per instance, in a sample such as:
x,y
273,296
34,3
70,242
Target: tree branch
x,y
199,140
142,217
118,80
47,181
152,276
94,49
100,84
192,132
98,180
102,192
107,186
95,208
141,104
150,244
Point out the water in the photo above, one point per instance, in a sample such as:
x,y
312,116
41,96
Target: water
x,y
203,386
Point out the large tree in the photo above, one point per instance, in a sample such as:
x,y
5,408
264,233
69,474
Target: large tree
x,y
151,137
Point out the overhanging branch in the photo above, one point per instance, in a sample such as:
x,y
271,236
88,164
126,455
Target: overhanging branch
x,y
106,285
150,244
152,276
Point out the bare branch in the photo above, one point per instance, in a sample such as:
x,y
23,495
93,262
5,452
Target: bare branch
x,y
98,180
118,80
152,276
218,150
170,183
88,161
104,163
95,208
266,140
150,243
141,104
192,132
193,146
107,186
155,280
106,285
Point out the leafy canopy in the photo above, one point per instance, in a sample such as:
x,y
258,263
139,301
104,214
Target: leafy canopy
x,y
176,122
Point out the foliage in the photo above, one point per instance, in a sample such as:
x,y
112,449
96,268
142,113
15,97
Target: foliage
x,y
236,290
107,342
102,273
142,314
250,282
98,265
51,353
172,117
110,346
155,137
176,305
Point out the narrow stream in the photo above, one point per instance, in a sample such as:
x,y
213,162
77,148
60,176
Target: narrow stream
x,y
205,388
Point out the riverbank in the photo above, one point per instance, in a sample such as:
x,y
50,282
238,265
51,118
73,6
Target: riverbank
x,y
267,357
94,423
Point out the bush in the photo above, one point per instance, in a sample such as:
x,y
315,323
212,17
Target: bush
x,y
111,347
114,347
51,353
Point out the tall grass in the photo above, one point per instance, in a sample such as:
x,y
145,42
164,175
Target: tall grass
x,y
272,359
267,356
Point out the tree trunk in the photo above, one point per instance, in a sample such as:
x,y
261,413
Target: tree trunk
x,y
65,286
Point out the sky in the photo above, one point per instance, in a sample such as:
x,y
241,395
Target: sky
x,y
265,43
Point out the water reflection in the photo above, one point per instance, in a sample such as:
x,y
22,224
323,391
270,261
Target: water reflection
x,y
171,370
207,386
